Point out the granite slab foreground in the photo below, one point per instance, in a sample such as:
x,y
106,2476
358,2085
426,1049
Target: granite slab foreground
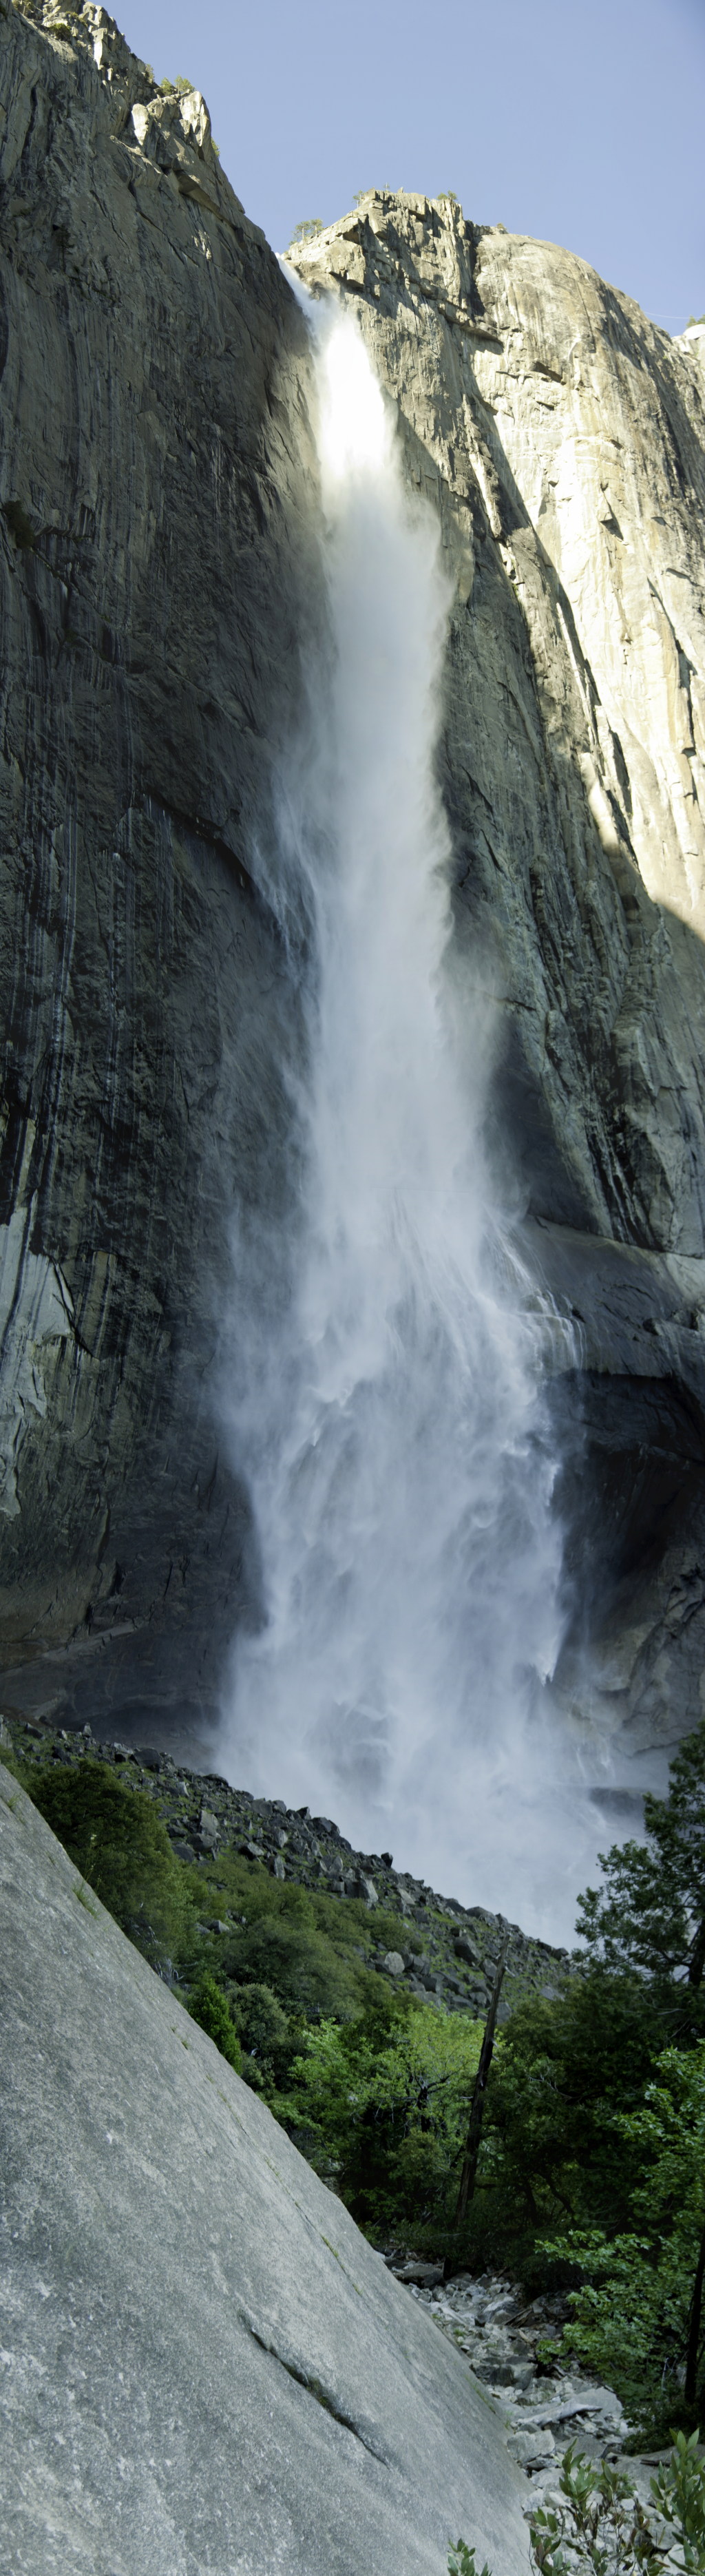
x,y
204,2366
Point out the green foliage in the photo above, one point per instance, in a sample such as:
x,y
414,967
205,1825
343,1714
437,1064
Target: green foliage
x,y
598,2523
560,2075
121,1848
20,1770
306,231
630,2317
385,2098
287,1953
650,1914
307,1947
207,2006
679,2496
271,2037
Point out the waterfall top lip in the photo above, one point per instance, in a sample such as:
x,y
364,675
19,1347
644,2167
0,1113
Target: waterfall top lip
x,y
396,246
410,202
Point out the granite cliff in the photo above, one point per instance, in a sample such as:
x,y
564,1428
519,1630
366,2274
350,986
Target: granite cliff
x,y
157,580
160,580
560,438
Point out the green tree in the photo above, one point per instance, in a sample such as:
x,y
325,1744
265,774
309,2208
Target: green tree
x,y
637,2318
116,1839
561,2074
649,1914
306,231
271,2037
386,2096
207,2005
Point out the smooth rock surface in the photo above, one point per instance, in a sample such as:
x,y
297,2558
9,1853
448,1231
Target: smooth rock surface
x,y
204,2365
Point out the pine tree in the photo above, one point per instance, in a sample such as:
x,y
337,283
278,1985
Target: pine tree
x,y
650,1912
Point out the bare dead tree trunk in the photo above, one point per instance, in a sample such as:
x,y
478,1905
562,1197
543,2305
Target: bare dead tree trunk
x,y
693,2343
472,2142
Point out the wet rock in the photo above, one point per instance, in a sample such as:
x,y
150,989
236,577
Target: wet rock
x,y
542,416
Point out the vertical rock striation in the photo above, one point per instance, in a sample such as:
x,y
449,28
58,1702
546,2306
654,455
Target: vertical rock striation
x,y
159,589
562,440
157,580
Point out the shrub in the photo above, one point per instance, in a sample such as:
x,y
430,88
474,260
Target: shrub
x,y
597,2522
117,1840
292,1960
266,2032
635,2319
387,2096
207,2006
307,1949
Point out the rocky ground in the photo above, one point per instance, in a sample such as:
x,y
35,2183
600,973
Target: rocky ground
x,y
446,1953
547,2403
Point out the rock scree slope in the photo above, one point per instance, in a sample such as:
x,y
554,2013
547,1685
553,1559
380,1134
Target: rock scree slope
x,y
205,2365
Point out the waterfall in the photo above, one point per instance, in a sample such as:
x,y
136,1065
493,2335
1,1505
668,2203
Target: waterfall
x,y
389,1409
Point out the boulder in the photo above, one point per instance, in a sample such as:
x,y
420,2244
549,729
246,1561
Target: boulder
x,y
206,2364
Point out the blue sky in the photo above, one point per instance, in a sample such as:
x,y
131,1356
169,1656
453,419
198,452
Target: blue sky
x,y
582,125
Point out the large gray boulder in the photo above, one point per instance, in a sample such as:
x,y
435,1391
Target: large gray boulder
x,y
204,2364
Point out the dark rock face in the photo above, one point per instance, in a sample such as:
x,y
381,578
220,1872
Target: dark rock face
x,y
159,590
211,2368
157,581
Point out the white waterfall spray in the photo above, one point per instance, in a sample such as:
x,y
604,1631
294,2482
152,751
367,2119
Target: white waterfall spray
x,y
391,1428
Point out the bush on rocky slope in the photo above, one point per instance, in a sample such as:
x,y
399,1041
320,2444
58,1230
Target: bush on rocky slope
x,y
208,2007
117,1841
385,2098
